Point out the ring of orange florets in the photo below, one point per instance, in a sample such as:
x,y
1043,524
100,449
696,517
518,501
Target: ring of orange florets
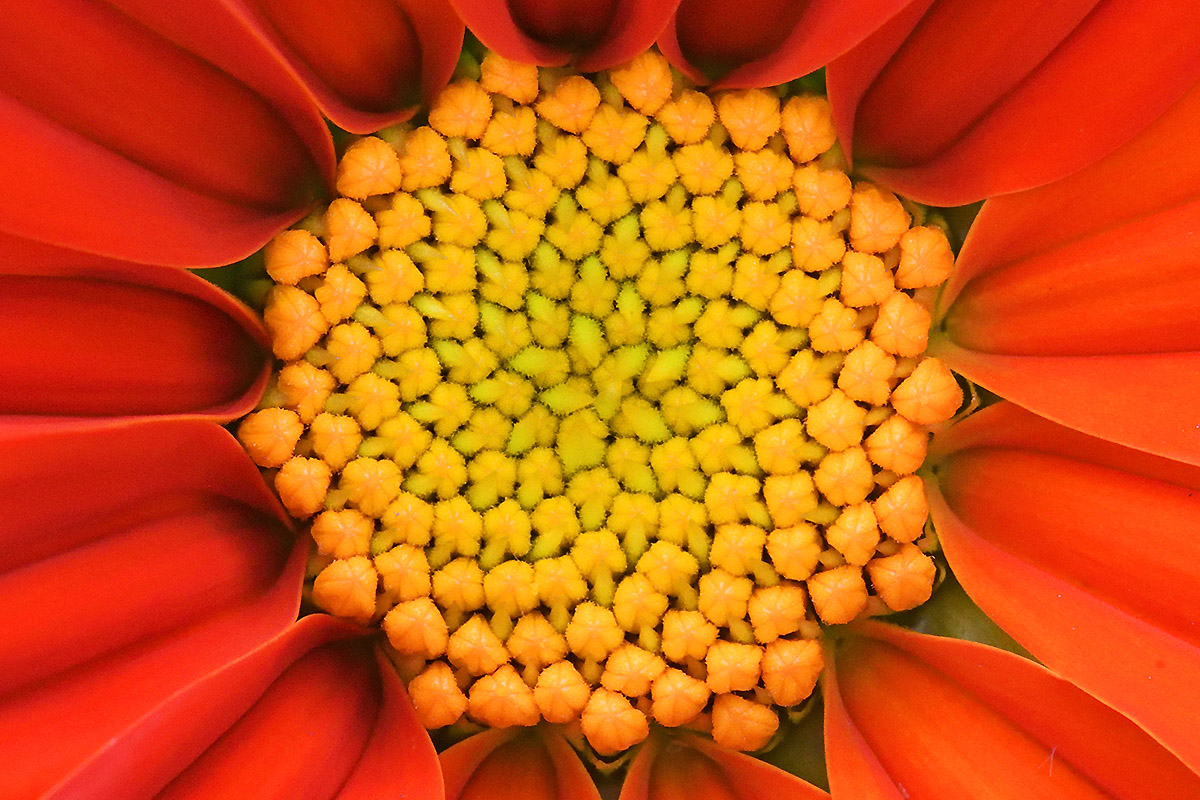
x,y
600,394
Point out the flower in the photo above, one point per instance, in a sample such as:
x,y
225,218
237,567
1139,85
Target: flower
x,y
1067,514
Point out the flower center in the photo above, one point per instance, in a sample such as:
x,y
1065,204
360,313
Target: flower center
x,y
601,397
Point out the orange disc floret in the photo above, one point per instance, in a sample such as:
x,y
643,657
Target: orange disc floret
x,y
458,586
335,438
807,123
424,159
855,533
369,166
838,595
777,610
593,632
836,422
535,643
877,219
645,82
866,374
732,667
630,670
294,320
789,497
741,724
677,698
688,117
305,389
510,589
845,478
835,328
751,116
902,510
502,700
925,258
436,696
866,280
404,573
561,693
302,484
686,635
349,229
293,255
346,588
930,394
571,104
342,534
370,484
897,445
511,133
724,598
340,293
903,580
902,327
462,109
816,245
790,669
417,628
270,436
515,80
795,551
476,648
611,723
819,192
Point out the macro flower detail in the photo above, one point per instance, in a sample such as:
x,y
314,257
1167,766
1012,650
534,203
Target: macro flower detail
x,y
586,414
607,408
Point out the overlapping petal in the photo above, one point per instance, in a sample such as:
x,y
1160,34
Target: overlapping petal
x,y
136,557
921,717
951,102
1080,300
116,339
591,34
158,133
531,764
687,767
767,42
1087,553
315,713
367,63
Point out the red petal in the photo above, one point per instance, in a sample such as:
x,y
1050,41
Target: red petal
x,y
315,713
123,340
977,98
1087,554
985,723
591,34
531,764
157,133
1155,173
686,767
136,557
767,42
367,63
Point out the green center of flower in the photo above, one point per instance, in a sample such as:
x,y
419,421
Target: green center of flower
x,y
602,396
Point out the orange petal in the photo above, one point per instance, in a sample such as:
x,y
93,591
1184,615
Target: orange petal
x,y
135,558
591,34
123,339
160,133
766,42
526,763
686,767
1086,553
315,713
367,63
953,102
988,724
